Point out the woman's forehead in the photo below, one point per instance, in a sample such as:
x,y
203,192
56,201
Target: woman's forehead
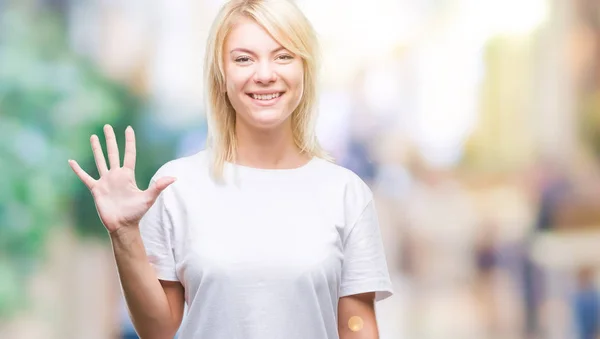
x,y
246,34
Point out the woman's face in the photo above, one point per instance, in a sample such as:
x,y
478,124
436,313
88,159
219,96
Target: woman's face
x,y
264,81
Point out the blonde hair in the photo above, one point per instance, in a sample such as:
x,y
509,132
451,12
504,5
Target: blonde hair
x,y
290,28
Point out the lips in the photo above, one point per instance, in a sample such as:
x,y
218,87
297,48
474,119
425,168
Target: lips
x,y
265,95
265,99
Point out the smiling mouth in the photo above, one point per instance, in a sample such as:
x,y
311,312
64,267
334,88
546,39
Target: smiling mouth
x,y
265,97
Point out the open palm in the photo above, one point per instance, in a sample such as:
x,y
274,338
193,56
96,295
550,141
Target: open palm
x,y
120,203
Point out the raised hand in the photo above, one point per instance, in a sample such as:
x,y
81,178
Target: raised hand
x,y
120,203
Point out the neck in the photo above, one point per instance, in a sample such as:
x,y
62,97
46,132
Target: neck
x,y
274,148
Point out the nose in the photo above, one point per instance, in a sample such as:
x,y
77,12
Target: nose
x,y
265,73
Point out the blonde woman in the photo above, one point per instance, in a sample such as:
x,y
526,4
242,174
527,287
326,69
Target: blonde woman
x,y
260,234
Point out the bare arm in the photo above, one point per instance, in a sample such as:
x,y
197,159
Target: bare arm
x,y
155,306
356,317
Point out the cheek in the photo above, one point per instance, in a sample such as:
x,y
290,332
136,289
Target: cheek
x,y
231,88
233,91
235,80
232,85
300,87
299,75
295,78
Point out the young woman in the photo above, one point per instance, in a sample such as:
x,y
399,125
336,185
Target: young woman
x,y
259,234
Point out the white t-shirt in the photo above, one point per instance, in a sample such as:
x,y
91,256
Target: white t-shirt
x,y
266,256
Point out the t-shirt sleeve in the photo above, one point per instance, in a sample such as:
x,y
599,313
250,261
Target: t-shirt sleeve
x,y
364,266
157,234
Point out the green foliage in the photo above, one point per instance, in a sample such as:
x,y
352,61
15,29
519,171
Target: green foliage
x,y
51,101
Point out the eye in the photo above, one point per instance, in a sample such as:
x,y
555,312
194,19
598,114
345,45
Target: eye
x,y
242,59
285,57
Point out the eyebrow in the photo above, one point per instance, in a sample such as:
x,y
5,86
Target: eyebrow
x,y
250,52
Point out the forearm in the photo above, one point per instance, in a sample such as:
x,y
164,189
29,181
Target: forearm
x,y
359,329
147,302
357,318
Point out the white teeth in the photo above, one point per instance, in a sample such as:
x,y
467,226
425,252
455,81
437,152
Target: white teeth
x,y
265,96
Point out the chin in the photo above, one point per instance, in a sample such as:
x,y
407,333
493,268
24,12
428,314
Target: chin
x,y
268,119
267,124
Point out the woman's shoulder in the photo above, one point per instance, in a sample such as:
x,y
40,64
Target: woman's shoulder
x,y
183,166
341,176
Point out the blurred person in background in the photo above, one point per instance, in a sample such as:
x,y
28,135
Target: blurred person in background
x,y
551,186
260,235
586,305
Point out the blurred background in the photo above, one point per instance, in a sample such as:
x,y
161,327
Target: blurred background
x,y
476,124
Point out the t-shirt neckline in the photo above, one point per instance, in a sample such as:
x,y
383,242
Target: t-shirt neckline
x,y
258,170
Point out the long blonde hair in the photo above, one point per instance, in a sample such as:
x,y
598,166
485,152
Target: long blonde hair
x,y
284,21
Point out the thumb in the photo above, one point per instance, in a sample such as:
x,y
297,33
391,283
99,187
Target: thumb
x,y
159,185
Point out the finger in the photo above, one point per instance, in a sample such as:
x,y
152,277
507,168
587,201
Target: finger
x,y
111,147
98,155
85,178
157,187
129,160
